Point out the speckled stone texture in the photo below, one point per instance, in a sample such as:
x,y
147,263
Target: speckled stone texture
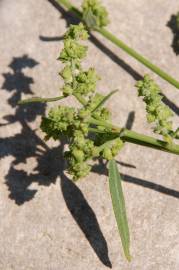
x,y
47,222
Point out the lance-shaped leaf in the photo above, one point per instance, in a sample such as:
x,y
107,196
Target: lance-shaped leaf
x,y
105,98
39,100
119,206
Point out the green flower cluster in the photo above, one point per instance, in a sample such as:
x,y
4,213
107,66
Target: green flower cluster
x,y
73,123
76,32
94,14
100,112
81,149
111,145
59,122
111,151
86,81
75,79
157,111
73,50
65,121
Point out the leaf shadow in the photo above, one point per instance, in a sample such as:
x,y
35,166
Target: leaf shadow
x,y
25,143
85,217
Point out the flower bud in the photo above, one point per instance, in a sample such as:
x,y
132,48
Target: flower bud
x,y
78,154
67,74
107,154
67,90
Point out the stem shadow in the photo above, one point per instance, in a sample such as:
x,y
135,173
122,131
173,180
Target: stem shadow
x,y
100,168
150,185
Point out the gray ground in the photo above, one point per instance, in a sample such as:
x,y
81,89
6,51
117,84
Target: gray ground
x,y
47,222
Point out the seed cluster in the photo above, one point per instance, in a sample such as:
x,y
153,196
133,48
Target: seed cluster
x,y
94,14
75,123
157,112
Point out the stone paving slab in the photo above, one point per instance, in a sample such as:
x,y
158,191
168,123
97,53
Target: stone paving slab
x,y
47,222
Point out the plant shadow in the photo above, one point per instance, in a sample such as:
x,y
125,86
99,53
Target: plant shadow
x,y
26,144
173,26
49,163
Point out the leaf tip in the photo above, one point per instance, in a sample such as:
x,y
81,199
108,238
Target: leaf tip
x,y
128,257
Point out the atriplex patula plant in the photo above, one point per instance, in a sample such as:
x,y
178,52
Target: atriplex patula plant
x,y
95,17
89,130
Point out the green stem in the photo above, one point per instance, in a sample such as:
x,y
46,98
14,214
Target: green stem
x,y
136,138
129,135
139,57
80,99
104,124
95,130
123,46
39,99
106,144
100,104
140,139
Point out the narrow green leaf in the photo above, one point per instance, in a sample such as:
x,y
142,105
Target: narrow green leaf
x,y
39,99
104,100
119,206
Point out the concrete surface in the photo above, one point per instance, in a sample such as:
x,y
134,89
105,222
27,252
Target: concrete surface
x,y
47,222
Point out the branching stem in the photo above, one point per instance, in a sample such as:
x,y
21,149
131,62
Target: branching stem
x,y
136,138
123,46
